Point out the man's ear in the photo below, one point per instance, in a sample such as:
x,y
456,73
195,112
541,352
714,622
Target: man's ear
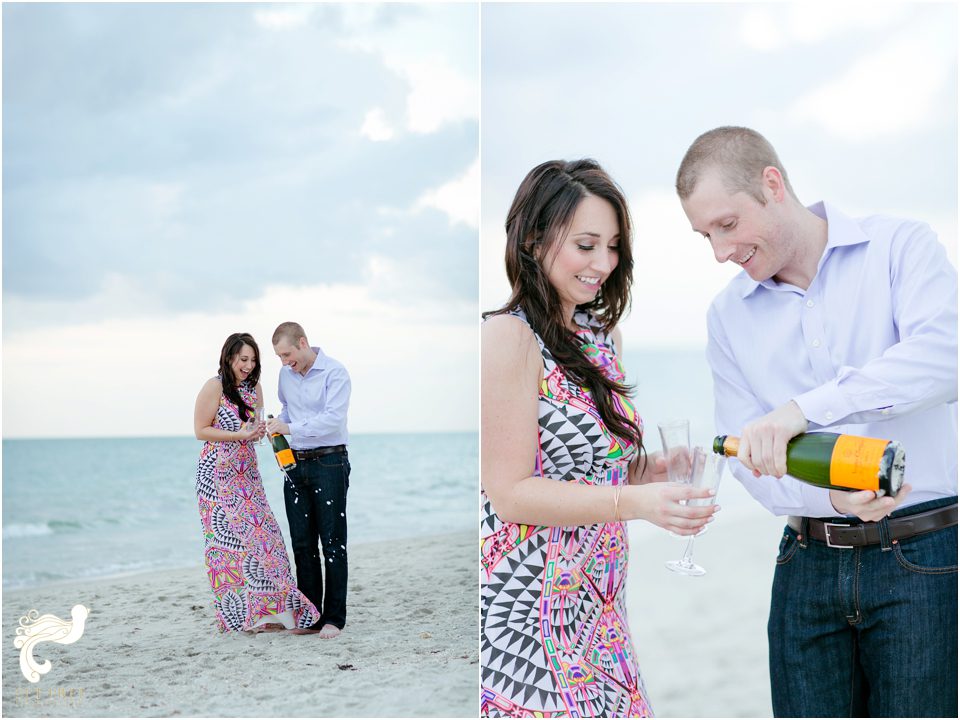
x,y
773,183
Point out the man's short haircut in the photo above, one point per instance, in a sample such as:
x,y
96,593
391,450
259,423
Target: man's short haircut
x,y
741,155
291,331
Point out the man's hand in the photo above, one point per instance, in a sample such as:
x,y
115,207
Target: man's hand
x,y
865,504
276,426
763,443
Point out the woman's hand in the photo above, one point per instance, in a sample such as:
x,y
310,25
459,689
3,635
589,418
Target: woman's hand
x,y
250,431
654,469
658,503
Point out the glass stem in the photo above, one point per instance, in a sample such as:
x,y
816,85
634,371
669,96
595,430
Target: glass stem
x,y
687,560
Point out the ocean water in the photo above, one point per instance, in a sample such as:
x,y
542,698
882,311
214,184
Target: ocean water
x,y
92,508
677,383
88,508
669,384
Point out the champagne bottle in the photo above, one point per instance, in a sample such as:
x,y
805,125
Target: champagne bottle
x,y
281,448
838,462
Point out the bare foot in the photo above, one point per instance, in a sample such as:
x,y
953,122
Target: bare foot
x,y
268,627
304,631
329,631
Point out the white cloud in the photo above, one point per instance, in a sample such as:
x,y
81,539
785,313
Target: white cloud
x,y
459,198
759,30
439,68
357,17
119,295
890,91
375,126
288,18
811,22
164,198
774,27
438,94
412,366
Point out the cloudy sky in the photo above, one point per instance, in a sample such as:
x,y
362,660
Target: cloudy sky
x,y
176,172
173,173
859,100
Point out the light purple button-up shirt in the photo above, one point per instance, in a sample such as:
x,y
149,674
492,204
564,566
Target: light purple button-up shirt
x,y
870,348
315,404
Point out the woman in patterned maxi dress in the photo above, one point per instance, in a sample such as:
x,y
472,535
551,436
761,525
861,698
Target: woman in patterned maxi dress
x,y
554,634
247,564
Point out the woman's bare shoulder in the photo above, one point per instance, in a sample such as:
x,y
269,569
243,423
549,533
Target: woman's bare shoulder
x,y
506,327
508,336
509,349
213,386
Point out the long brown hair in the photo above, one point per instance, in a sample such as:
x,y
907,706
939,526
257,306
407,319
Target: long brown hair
x,y
231,347
541,211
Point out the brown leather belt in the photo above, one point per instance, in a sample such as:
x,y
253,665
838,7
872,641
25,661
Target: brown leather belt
x,y
314,453
845,535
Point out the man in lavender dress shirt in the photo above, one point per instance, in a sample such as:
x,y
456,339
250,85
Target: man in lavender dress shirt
x,y
315,393
849,326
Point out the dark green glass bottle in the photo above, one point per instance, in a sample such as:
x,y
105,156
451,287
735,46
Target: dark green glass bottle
x,y
281,448
837,462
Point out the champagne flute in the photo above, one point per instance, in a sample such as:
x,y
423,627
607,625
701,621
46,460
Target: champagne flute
x,y
257,418
706,473
675,440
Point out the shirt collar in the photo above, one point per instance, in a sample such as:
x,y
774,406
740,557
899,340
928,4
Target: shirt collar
x,y
319,363
841,230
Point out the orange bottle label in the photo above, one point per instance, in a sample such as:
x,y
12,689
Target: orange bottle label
x,y
285,457
855,462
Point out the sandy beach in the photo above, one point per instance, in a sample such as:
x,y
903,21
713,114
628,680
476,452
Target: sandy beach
x,y
151,647
702,641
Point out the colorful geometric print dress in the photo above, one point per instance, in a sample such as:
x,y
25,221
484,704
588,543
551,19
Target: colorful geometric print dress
x,y
245,555
554,634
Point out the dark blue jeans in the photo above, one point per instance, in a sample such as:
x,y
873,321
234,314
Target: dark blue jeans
x,y
317,512
867,631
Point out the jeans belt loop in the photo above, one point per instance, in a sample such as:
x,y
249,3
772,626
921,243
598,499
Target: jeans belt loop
x,y
804,532
884,529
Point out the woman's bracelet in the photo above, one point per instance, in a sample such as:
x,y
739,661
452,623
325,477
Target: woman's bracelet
x,y
616,502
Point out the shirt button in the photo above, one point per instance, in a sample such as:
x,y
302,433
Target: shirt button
x,y
809,303
828,415
816,343
885,411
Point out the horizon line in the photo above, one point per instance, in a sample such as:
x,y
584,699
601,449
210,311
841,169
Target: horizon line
x,y
182,437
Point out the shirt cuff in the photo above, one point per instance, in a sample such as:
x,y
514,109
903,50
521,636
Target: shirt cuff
x,y
824,405
297,428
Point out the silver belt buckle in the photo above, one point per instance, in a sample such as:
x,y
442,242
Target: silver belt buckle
x,y
826,532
